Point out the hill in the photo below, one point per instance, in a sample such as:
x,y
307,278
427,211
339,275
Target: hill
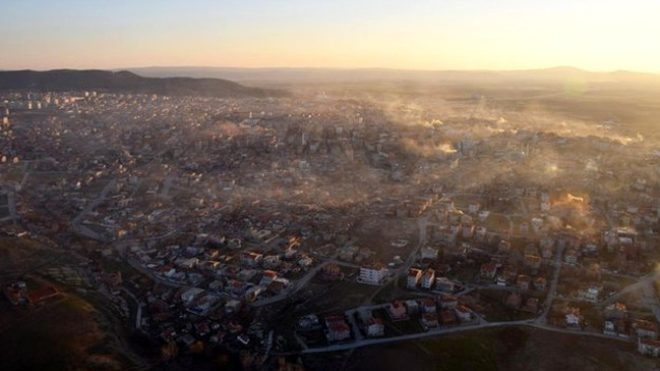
x,y
124,81
311,75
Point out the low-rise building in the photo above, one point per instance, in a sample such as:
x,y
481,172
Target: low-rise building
x,y
372,274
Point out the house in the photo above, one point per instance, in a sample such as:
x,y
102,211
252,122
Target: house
x,y
337,328
412,306
397,311
481,233
189,263
616,311
448,317
504,247
468,231
531,305
591,294
372,274
428,279
645,329
374,327
253,292
429,320
463,313
547,252
271,261
444,284
202,303
448,301
232,306
305,262
277,286
348,252
573,317
251,258
571,256
414,276
429,253
267,277
488,270
308,322
523,282
649,347
540,283
428,305
533,262
236,287
190,294
609,328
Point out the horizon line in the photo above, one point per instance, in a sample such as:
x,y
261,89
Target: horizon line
x,y
557,67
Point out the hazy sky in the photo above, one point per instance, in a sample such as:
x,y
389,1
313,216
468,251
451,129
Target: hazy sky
x,y
415,34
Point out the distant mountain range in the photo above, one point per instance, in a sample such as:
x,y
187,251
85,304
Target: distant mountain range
x,y
125,81
297,75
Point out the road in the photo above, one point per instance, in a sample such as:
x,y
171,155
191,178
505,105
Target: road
x,y
299,284
651,298
639,285
76,222
552,292
451,330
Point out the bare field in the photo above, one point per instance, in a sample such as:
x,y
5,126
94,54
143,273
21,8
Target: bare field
x,y
510,349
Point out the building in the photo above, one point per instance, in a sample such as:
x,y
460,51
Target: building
x,y
428,305
373,274
414,275
397,311
540,283
645,329
251,259
571,256
523,282
337,328
573,317
448,301
591,294
429,253
428,279
649,347
463,313
429,320
444,284
412,306
488,270
374,327
448,317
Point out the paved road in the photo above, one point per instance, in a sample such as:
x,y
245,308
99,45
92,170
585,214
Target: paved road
x,y
639,285
96,202
651,298
299,284
443,331
552,292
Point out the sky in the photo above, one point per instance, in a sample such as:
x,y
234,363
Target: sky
x,y
597,35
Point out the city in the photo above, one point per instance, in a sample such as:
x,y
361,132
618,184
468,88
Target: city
x,y
276,227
